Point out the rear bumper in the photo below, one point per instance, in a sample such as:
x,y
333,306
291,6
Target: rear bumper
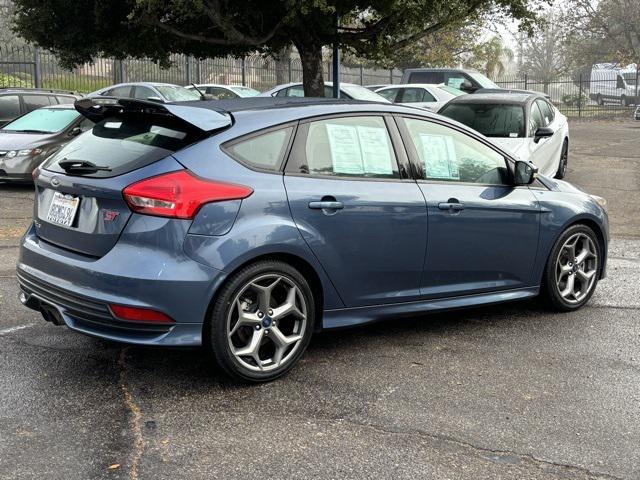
x,y
76,290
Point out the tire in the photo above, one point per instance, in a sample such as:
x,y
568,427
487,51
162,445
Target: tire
x,y
261,346
564,161
560,268
599,100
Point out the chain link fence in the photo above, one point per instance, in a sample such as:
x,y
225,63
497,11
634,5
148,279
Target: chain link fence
x,y
32,67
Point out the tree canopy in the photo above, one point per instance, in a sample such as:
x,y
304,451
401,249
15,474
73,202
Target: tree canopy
x,y
78,30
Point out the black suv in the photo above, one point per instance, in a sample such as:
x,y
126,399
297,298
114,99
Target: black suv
x,y
18,101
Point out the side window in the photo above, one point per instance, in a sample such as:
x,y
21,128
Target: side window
x,y
297,91
9,107
85,125
31,102
546,110
426,77
389,94
143,93
412,95
535,119
65,99
428,97
454,79
446,154
264,151
620,82
124,91
350,147
221,93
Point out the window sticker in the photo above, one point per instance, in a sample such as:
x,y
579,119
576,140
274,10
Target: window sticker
x,y
345,149
513,135
374,145
439,156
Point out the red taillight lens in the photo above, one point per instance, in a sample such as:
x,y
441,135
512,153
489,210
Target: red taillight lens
x,y
136,314
179,194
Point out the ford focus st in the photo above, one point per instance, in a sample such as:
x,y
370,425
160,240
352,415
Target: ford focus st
x,y
245,226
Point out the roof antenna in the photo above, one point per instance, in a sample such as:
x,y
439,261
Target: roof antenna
x,y
202,97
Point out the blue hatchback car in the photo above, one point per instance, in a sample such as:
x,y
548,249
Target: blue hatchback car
x,y
245,226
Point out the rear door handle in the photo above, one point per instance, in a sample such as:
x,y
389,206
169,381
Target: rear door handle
x,y
326,205
451,206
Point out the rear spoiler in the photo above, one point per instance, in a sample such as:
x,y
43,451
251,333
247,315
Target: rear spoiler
x,y
203,118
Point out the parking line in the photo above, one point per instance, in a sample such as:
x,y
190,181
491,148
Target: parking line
x,y
7,331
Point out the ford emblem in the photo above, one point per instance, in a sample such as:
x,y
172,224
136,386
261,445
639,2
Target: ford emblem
x,y
55,181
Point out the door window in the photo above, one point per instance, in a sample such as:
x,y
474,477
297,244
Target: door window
x,y
297,91
389,94
446,154
535,119
31,102
349,147
414,95
124,91
221,93
143,93
264,151
546,110
64,99
454,79
9,107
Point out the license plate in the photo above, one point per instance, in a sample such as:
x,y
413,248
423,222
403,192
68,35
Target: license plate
x,y
63,209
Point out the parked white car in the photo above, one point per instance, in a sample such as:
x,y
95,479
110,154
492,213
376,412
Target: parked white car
x,y
612,84
224,92
526,124
349,91
429,96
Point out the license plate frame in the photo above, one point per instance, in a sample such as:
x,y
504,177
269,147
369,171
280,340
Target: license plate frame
x,y
63,209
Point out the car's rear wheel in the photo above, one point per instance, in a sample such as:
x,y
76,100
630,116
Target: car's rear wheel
x,y
262,321
564,161
573,268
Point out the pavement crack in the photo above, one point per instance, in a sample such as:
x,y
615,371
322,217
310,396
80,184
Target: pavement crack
x,y
135,414
527,457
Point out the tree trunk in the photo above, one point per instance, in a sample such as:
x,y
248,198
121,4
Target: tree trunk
x,y
312,74
283,64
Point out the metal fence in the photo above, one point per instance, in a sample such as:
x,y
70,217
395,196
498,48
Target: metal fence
x,y
32,67
588,96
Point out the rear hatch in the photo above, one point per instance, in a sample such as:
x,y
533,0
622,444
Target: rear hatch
x,y
79,201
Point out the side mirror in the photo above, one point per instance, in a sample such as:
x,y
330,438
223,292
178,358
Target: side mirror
x,y
467,86
155,99
75,131
543,132
525,173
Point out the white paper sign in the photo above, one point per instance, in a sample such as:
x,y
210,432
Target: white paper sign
x,y
345,149
439,156
374,145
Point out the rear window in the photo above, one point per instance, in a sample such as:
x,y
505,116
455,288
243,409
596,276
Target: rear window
x,y
426,77
125,144
491,120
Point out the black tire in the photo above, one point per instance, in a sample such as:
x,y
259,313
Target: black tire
x,y
550,288
218,327
564,161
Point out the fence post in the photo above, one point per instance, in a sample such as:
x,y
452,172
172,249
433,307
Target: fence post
x,y
244,72
361,75
37,71
636,102
121,65
391,75
526,82
290,71
188,70
580,98
198,71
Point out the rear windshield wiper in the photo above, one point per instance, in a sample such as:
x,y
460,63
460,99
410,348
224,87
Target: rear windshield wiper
x,y
81,166
28,131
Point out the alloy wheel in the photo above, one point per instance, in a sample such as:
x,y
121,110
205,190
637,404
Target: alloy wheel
x,y
576,268
266,322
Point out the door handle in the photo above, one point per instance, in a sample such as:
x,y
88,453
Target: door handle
x,y
452,205
326,205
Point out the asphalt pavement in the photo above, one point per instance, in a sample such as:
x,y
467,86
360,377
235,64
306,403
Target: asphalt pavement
x,y
504,392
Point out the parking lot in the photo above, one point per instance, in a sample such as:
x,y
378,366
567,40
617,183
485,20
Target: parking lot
x,y
509,391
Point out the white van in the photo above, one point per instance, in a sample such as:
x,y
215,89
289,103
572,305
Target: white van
x,y
613,84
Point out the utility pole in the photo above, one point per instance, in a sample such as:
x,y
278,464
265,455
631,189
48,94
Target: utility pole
x,y
336,61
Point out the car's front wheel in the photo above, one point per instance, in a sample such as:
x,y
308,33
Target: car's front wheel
x,y
573,268
262,321
564,161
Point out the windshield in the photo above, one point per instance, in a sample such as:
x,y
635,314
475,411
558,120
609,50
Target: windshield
x,y
453,91
174,93
630,78
245,91
482,80
43,120
360,93
491,120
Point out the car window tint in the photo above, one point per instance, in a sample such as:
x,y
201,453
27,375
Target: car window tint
x,y
350,147
31,102
546,110
9,107
221,93
427,96
263,151
124,91
64,99
535,119
389,94
449,155
412,95
490,119
426,77
297,91
143,93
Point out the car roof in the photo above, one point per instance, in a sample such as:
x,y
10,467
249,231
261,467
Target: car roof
x,y
413,85
507,98
439,69
37,91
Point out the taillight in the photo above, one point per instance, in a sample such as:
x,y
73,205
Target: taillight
x,y
136,314
179,194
